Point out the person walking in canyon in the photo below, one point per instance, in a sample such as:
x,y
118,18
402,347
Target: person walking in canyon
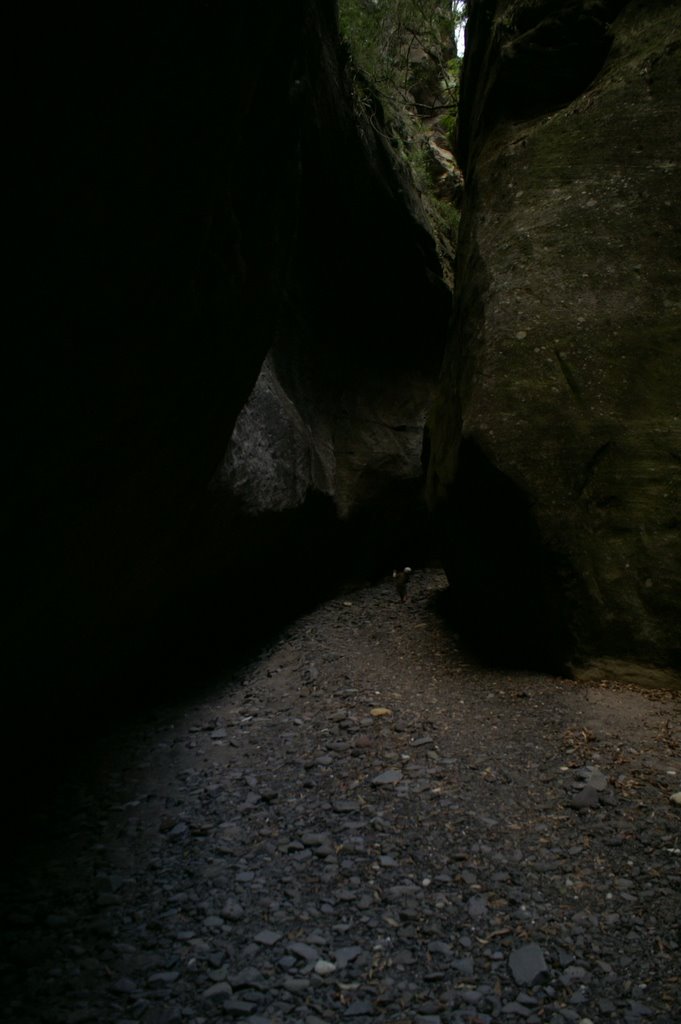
x,y
401,577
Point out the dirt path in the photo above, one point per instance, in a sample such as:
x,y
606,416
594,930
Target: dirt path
x,y
360,825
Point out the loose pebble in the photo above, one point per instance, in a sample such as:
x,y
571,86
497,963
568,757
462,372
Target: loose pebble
x,y
387,778
528,965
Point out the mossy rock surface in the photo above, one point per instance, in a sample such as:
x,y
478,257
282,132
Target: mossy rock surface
x,y
564,371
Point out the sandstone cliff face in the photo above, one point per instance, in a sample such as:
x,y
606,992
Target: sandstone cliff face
x,y
200,190
556,441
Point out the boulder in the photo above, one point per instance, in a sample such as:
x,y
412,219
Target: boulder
x,y
555,469
200,188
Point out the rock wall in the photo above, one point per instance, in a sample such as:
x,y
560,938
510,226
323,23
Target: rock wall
x,y
198,189
555,474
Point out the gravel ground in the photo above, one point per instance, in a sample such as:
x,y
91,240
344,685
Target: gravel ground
x,y
362,825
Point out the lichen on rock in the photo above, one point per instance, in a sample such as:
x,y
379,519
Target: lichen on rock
x,y
564,371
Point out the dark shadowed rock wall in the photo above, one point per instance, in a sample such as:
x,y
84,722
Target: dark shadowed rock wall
x,y
555,474
196,190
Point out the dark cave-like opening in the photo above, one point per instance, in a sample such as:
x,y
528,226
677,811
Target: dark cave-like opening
x,y
505,595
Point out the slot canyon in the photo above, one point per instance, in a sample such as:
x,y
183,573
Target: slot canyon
x,y
306,297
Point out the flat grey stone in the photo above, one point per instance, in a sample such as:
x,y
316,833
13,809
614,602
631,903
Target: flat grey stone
x,y
267,937
388,778
517,1009
525,999
314,838
248,977
528,965
464,965
125,985
162,1015
345,955
345,806
472,996
232,910
404,957
360,1008
238,1007
640,1009
587,797
597,779
303,950
219,991
386,860
163,977
296,984
574,975
477,906
220,974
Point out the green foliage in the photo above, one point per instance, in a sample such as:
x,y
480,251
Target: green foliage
x,y
394,42
447,217
448,122
404,52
